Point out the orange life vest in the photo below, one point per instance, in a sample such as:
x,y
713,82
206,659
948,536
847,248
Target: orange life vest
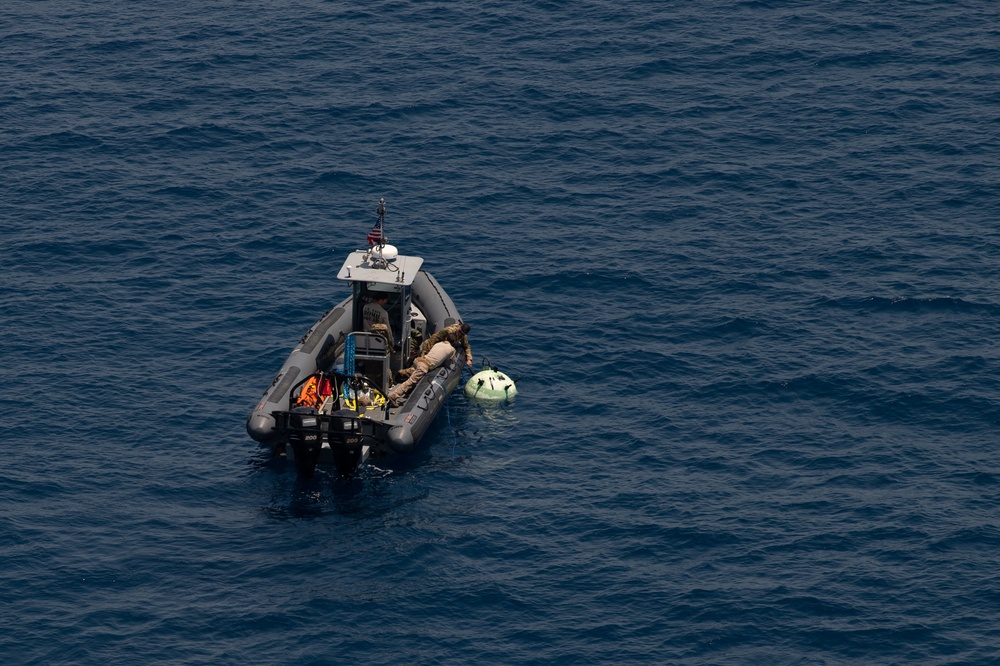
x,y
314,391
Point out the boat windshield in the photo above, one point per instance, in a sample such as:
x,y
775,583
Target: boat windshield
x,y
373,298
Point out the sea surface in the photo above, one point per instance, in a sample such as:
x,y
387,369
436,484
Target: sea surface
x,y
744,257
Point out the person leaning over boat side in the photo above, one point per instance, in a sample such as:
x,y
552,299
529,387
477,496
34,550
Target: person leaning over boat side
x,y
439,354
456,334
376,319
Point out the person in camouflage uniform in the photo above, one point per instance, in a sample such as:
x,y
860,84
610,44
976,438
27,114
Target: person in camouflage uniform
x,y
456,334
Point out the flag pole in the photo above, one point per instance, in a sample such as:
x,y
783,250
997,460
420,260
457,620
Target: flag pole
x,y
380,210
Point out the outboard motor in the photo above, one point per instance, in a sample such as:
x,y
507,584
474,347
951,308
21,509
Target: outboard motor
x,y
346,440
306,439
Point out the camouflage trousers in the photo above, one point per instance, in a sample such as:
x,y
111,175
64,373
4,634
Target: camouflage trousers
x,y
384,331
420,368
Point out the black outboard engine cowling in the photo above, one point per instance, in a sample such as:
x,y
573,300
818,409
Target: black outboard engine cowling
x,y
346,441
305,436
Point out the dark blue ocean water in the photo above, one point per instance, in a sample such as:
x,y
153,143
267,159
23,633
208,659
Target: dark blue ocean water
x,y
744,254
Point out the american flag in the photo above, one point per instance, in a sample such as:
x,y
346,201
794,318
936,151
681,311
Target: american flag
x,y
375,235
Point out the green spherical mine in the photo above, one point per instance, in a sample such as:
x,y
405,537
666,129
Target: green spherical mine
x,y
490,387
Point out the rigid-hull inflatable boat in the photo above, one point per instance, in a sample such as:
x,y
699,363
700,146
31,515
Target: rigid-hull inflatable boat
x,y
328,404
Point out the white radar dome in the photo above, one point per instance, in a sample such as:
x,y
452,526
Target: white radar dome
x,y
387,252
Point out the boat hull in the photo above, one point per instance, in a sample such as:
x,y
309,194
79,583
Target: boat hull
x,y
381,431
